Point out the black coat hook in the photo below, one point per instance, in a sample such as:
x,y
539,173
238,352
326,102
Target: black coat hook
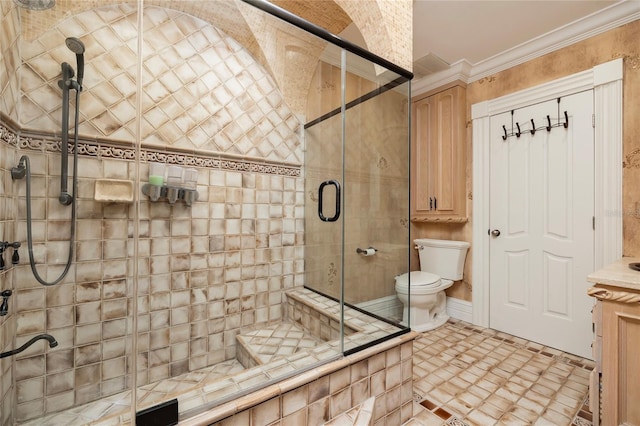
x,y
533,128
549,123
566,120
504,138
518,133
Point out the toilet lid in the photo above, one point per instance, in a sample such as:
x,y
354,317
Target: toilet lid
x,y
418,278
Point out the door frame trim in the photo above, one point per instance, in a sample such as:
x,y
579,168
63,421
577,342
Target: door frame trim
x,y
606,82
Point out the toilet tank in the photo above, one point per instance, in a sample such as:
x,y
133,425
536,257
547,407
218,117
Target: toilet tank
x,y
442,257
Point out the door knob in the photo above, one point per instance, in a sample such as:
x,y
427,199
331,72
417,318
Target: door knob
x,y
495,233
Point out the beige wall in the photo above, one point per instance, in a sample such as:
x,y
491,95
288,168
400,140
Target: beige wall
x,y
622,42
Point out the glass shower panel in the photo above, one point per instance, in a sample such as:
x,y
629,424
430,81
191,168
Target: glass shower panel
x,y
376,195
323,178
363,129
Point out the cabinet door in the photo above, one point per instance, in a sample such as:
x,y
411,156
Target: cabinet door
x,y
620,362
422,172
439,159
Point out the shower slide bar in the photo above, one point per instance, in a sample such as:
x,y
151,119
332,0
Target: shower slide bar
x,y
66,84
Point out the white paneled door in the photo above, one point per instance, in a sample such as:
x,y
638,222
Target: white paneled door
x,y
541,218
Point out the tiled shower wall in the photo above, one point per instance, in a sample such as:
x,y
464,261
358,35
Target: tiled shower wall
x,y
9,89
9,59
204,272
201,90
7,322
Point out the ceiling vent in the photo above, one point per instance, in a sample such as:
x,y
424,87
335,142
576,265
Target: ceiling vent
x,y
428,64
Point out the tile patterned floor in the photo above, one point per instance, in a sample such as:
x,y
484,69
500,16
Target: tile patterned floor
x,y
468,375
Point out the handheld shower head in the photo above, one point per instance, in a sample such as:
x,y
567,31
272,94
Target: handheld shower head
x,y
77,47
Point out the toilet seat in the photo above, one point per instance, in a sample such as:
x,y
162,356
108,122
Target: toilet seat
x,y
419,279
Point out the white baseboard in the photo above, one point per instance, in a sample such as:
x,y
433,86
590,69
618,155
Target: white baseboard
x,y
460,309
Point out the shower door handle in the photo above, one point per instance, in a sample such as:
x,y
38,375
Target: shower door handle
x,y
320,198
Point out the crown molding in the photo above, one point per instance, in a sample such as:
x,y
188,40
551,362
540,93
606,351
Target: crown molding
x,y
458,71
599,22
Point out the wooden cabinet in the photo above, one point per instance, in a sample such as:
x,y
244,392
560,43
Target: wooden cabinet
x,y
438,152
617,354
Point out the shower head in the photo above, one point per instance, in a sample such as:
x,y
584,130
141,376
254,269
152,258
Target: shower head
x,y
35,4
77,47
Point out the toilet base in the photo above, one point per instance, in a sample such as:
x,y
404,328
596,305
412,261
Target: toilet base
x,y
438,321
427,311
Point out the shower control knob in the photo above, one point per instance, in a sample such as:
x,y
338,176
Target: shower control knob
x,y
495,233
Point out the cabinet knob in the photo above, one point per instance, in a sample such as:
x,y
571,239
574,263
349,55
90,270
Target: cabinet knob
x,y
495,233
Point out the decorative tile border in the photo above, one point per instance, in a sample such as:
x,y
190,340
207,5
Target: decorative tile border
x,y
47,143
8,135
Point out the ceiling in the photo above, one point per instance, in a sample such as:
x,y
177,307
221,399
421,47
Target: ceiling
x,y
474,31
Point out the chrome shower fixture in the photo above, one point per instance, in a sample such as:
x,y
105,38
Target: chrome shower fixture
x,y
35,4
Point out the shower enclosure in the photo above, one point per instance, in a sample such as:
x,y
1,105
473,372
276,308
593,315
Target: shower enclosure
x,y
299,144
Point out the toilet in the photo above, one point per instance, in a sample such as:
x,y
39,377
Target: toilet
x,y
441,263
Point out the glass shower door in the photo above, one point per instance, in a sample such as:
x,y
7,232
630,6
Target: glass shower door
x,y
323,181
376,196
357,242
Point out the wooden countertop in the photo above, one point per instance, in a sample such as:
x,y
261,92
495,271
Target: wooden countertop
x,y
618,274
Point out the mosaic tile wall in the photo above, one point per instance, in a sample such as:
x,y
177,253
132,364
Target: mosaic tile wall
x,y
388,29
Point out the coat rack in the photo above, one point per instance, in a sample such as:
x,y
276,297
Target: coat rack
x,y
517,132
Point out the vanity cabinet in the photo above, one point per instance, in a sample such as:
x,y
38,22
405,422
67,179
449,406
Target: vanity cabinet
x,y
615,383
438,152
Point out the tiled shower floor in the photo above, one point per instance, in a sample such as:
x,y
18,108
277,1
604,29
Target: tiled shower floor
x,y
468,375
463,375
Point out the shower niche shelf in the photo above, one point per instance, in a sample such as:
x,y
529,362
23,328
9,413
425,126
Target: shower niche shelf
x,y
113,191
171,194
